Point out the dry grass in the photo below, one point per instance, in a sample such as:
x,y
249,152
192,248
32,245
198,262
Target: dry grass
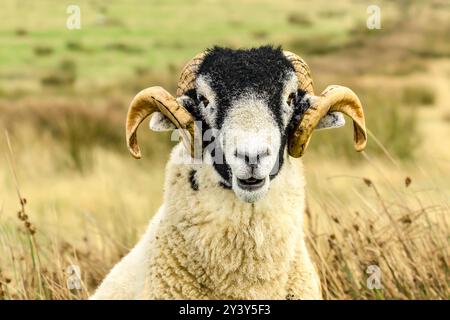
x,y
378,215
72,221
374,214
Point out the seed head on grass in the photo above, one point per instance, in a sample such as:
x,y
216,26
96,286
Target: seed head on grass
x,y
368,182
29,227
407,181
406,219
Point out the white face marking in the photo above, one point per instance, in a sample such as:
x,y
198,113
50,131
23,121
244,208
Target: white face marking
x,y
204,89
250,139
290,87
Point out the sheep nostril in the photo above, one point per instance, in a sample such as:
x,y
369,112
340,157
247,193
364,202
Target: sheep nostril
x,y
251,160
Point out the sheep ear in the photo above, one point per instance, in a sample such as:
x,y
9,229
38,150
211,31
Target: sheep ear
x,y
160,122
331,120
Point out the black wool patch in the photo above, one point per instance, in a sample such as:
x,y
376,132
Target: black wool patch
x,y
225,186
261,71
193,180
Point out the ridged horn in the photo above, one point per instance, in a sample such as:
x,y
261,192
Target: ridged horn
x,y
333,98
147,102
189,74
154,99
302,72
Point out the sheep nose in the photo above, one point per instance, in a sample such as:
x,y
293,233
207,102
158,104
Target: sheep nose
x,y
251,159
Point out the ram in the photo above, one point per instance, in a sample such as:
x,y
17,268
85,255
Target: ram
x,y
231,224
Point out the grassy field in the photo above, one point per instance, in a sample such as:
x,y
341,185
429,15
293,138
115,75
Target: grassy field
x,y
63,100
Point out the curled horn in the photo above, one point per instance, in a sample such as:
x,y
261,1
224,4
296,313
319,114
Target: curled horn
x,y
148,101
333,98
301,71
155,99
189,74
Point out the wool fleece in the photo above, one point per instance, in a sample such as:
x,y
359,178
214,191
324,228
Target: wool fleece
x,y
205,243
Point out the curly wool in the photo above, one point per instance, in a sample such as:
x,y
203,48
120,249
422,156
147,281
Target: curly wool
x,y
207,244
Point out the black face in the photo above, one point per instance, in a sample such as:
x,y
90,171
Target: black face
x,y
263,72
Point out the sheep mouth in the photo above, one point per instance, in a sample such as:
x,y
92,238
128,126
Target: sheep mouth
x,y
250,183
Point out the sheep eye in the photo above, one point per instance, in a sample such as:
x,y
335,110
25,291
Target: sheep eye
x,y
204,100
290,98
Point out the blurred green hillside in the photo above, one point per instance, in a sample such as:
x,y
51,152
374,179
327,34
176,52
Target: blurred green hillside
x,y
118,39
124,46
121,40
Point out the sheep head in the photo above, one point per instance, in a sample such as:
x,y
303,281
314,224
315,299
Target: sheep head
x,y
261,104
